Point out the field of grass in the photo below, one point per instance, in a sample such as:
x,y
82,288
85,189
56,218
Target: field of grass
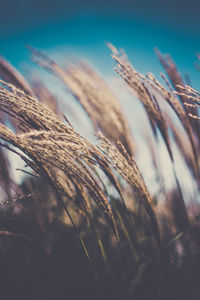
x,y
83,223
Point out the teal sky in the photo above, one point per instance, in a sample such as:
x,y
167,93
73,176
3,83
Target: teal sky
x,y
83,27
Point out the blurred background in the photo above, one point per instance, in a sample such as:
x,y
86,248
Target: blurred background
x,y
64,29
42,250
82,27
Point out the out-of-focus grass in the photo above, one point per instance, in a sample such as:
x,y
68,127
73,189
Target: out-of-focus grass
x,y
83,223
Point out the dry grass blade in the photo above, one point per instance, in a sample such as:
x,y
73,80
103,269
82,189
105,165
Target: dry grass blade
x,y
177,81
128,169
170,68
138,84
94,95
173,101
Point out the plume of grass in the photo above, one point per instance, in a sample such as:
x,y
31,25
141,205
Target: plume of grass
x,y
173,101
54,146
137,83
192,98
176,80
146,89
128,169
87,86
